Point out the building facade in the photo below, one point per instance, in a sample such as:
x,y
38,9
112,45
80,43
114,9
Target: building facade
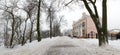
x,y
84,27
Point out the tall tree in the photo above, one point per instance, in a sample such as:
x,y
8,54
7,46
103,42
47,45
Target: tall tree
x,y
30,9
101,27
10,10
51,18
104,20
6,35
52,9
38,22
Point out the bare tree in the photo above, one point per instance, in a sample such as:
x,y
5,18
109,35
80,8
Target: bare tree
x,y
51,18
16,21
18,30
19,34
101,27
38,21
10,10
51,11
6,34
56,26
31,11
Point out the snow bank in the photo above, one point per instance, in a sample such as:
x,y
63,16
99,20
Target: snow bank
x,y
115,44
91,46
75,47
112,43
29,48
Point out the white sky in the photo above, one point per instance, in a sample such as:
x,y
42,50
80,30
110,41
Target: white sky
x,y
113,14
75,13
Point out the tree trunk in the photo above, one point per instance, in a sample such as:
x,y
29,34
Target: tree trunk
x,y
23,37
30,36
101,38
104,20
101,29
51,19
38,22
50,27
12,36
6,35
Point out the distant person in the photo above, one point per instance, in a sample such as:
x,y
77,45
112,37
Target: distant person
x,y
69,35
88,35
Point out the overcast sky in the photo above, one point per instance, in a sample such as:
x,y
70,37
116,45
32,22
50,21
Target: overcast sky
x,y
75,13
113,14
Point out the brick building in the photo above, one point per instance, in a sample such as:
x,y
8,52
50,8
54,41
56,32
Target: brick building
x,y
84,27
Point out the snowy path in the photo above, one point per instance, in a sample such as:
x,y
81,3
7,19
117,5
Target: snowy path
x,y
67,46
61,46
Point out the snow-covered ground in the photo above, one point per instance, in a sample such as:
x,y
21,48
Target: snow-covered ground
x,y
112,43
64,46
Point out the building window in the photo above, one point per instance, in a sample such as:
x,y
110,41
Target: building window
x,y
83,32
83,24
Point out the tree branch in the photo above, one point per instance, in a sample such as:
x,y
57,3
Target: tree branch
x,y
69,3
95,8
94,18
